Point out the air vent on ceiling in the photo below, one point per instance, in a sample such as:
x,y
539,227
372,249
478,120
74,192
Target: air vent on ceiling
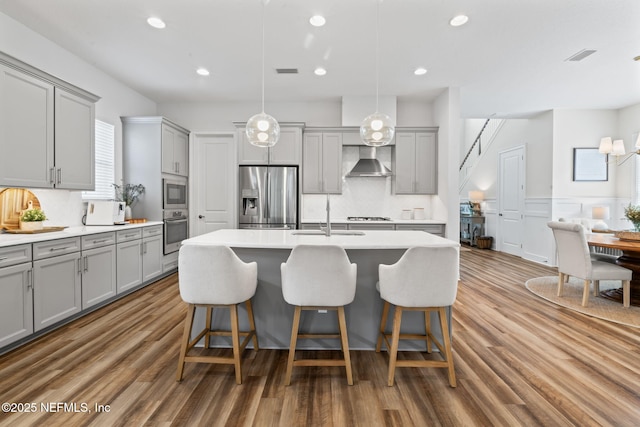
x,y
287,70
581,55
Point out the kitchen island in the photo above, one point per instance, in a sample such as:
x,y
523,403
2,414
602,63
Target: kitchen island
x,y
270,248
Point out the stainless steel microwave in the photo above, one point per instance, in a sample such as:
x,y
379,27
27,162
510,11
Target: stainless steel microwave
x,y
174,194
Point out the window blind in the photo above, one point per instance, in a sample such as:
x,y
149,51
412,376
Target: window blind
x,y
104,167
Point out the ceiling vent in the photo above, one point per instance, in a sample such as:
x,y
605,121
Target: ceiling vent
x,y
581,55
286,70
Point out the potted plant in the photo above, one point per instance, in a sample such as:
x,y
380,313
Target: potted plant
x,y
32,219
632,212
129,194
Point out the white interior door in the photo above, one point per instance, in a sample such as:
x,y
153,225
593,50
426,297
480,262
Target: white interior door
x,y
511,200
214,182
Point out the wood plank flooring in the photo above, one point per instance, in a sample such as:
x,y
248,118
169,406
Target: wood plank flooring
x,y
520,361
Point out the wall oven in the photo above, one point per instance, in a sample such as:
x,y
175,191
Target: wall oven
x,y
176,229
174,194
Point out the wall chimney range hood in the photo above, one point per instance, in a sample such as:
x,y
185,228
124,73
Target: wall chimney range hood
x,y
368,165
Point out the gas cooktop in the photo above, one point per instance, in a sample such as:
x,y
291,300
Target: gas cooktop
x,y
368,218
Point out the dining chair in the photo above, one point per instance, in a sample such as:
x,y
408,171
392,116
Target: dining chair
x,y
214,277
574,259
424,279
318,277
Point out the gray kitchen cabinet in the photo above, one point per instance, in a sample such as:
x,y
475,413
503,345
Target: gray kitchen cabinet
x,y
317,225
128,259
416,162
52,125
16,294
175,149
372,227
98,268
152,252
57,292
322,163
287,151
437,229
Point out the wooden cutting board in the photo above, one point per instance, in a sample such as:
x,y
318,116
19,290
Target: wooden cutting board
x,y
43,230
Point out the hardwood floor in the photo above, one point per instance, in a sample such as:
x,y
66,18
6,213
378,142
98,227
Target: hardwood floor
x,y
519,361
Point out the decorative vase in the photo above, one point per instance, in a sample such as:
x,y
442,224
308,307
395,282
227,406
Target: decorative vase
x,y
31,225
127,212
636,226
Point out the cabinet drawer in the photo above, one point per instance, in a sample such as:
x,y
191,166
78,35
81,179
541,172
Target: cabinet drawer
x,y
127,235
429,228
13,255
155,230
98,240
372,227
57,247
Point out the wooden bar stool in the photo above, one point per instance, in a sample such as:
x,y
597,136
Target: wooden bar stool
x,y
318,278
214,277
424,279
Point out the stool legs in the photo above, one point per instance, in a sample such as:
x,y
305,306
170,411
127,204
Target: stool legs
x,y
392,346
207,332
344,343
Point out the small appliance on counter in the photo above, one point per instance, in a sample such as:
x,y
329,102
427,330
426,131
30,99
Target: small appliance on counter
x,y
105,212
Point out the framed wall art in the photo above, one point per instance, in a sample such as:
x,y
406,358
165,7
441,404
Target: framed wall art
x,y
589,165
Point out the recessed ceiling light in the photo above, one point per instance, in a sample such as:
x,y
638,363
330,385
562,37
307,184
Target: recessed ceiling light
x,y
317,20
156,22
459,20
420,71
319,71
202,71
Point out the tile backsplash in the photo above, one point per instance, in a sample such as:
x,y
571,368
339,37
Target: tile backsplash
x,y
364,196
62,207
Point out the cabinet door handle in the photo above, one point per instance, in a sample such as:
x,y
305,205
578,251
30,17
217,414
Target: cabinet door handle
x,y
86,264
59,249
2,258
51,174
79,265
145,247
59,176
29,277
140,250
100,241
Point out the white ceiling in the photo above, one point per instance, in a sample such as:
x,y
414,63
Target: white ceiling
x,y
508,60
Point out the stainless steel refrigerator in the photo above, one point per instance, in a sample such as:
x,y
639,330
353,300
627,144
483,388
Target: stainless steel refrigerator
x,y
268,197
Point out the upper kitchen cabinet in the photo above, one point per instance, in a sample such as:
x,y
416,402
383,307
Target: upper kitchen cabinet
x,y
416,162
175,149
46,130
322,163
288,150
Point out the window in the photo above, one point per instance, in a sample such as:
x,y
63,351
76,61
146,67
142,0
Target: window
x,y
104,168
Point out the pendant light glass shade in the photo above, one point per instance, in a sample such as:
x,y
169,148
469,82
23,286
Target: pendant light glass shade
x,y
377,130
263,130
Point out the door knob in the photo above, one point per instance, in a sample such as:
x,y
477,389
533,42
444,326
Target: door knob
x,y
201,216
499,214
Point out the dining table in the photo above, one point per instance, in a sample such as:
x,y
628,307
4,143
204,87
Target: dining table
x,y
630,259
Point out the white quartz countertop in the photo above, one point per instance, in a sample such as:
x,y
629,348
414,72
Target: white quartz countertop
x,y
393,221
287,239
7,239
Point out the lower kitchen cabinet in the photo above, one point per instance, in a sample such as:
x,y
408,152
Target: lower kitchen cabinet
x,y
57,292
16,303
437,229
129,260
98,275
372,227
151,257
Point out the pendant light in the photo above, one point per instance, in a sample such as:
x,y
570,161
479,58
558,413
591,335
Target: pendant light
x,y
377,129
262,129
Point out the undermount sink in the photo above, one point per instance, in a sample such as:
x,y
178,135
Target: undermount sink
x,y
333,233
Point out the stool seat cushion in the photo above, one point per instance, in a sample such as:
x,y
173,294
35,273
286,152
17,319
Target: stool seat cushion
x,y
422,277
215,275
318,276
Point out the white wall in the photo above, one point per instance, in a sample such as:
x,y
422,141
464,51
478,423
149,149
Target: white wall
x,y
61,206
580,129
628,126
